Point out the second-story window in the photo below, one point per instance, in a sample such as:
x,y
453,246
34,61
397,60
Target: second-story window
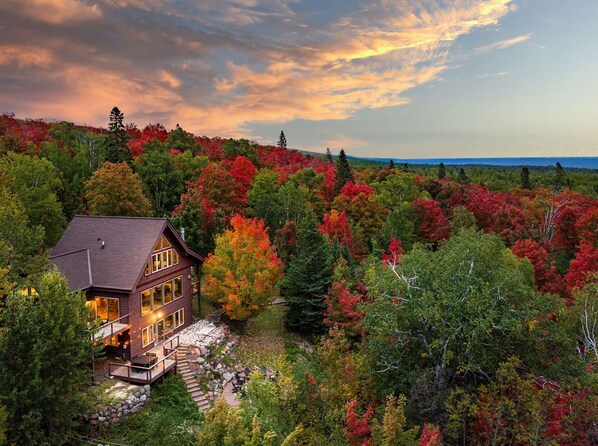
x,y
163,257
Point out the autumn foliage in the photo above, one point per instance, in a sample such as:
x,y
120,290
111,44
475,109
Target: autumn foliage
x,y
244,270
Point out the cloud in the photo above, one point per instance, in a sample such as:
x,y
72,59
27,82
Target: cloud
x,y
217,65
493,75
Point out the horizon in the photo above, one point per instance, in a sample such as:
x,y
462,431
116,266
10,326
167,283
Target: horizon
x,y
472,79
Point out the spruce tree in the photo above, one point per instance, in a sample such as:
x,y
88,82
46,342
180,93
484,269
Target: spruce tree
x,y
559,177
329,155
307,279
525,182
282,140
405,167
441,171
462,177
391,164
117,147
344,174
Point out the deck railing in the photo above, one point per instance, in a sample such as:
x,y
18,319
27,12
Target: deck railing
x,y
170,345
120,320
149,373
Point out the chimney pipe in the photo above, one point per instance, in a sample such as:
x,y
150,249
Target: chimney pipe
x,y
183,233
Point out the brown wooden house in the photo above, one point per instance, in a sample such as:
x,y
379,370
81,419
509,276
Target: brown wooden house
x,y
136,274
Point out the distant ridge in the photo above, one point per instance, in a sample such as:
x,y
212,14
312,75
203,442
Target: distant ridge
x,y
570,162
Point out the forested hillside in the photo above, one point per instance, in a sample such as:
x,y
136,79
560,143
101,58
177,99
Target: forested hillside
x,y
443,305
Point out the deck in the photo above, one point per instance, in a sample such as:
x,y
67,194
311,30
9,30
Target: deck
x,y
112,328
167,361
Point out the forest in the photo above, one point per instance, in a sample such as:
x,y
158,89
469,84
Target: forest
x,y
424,305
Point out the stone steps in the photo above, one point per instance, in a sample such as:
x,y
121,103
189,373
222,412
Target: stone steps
x,y
192,387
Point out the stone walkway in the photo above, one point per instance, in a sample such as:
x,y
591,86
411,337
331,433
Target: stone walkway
x,y
202,334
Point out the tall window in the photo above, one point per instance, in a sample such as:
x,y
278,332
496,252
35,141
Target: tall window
x,y
163,257
104,308
162,294
147,335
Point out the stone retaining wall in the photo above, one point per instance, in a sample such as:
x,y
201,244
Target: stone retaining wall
x,y
104,415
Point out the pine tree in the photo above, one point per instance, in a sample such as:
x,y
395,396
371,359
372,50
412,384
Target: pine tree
x,y
405,167
391,164
307,280
462,177
441,171
525,182
117,147
344,174
329,155
282,140
560,179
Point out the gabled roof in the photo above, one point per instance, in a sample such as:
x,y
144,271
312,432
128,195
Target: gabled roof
x,y
109,252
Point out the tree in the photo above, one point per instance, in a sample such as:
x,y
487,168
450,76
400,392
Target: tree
x,y
391,164
462,176
307,280
358,429
525,182
282,140
45,352
160,178
263,200
117,141
560,178
441,171
343,309
438,304
243,171
586,307
343,173
115,190
329,155
35,181
432,225
244,270
545,275
582,267
336,228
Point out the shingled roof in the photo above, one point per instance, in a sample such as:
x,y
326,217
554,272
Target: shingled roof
x,y
109,252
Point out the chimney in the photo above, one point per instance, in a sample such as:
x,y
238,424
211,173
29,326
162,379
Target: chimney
x,y
183,233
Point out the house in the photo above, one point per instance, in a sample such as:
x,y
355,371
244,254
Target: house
x,y
136,274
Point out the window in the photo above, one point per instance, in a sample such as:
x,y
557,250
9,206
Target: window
x,y
163,257
178,287
146,301
167,292
104,308
157,293
147,335
179,318
169,323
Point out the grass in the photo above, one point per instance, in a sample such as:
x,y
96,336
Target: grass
x,y
171,417
264,338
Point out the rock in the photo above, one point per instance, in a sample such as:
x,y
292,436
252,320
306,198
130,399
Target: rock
x,y
137,394
101,419
147,388
126,412
227,376
135,409
143,398
94,422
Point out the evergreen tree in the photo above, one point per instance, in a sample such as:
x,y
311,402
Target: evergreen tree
x,y
441,171
405,167
45,351
344,174
462,177
282,140
329,155
117,147
307,279
560,179
391,164
525,182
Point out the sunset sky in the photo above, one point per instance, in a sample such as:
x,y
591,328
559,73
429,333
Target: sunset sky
x,y
403,78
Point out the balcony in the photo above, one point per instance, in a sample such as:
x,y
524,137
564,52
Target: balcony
x,y
112,328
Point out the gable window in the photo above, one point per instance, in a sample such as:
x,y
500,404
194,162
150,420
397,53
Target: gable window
x,y
164,256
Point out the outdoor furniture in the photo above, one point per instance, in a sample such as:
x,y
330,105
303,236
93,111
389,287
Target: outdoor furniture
x,y
142,362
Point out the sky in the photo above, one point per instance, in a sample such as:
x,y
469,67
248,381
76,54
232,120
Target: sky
x,y
379,78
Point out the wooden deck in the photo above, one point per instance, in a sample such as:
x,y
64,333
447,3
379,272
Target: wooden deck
x,y
167,354
112,328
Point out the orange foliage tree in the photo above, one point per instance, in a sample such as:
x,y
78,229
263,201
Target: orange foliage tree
x,y
244,271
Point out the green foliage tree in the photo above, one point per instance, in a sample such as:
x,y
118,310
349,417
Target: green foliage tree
x,y
45,352
560,178
21,243
263,198
462,176
400,223
455,314
282,140
441,171
525,181
343,173
307,279
160,178
179,139
190,165
115,190
35,181
462,218
117,140
397,189
233,148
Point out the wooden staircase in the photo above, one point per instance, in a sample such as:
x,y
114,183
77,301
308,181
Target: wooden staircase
x,y
183,368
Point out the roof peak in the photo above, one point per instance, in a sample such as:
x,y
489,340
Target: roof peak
x,y
119,217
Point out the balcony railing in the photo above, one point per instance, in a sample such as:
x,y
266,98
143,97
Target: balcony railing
x,y
111,328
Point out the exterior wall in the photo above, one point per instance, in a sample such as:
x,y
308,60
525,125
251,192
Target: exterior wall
x,y
123,309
